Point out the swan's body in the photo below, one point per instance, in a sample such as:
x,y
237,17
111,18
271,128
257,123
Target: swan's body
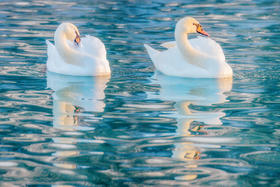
x,y
74,56
201,57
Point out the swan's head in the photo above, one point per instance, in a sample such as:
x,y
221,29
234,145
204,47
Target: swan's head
x,y
190,25
70,31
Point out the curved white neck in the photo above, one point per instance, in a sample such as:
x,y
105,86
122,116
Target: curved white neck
x,y
191,55
68,54
215,64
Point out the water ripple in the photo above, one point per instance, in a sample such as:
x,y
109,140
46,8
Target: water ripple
x,y
139,127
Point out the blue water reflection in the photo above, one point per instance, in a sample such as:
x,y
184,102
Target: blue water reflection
x,y
74,95
139,127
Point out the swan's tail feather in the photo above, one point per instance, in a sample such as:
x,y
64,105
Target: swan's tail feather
x,y
48,42
152,53
51,49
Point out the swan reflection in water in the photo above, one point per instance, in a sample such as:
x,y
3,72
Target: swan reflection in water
x,y
186,92
73,95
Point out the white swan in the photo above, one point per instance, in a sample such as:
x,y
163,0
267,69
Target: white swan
x,y
201,57
72,55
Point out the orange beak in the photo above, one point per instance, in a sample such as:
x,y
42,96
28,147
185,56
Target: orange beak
x,y
200,30
77,39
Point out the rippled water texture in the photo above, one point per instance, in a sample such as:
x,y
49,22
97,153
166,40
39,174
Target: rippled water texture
x,y
139,127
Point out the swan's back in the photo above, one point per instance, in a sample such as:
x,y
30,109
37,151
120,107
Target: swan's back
x,y
93,46
208,46
171,62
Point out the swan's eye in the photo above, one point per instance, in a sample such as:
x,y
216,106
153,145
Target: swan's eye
x,y
198,26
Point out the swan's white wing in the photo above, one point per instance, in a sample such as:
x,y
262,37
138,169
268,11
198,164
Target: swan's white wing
x,y
171,62
208,46
93,47
54,58
51,49
203,44
168,44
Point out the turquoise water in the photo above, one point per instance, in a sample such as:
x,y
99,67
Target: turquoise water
x,y
139,127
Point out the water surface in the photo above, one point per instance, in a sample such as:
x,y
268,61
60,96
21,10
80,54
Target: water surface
x,y
139,127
